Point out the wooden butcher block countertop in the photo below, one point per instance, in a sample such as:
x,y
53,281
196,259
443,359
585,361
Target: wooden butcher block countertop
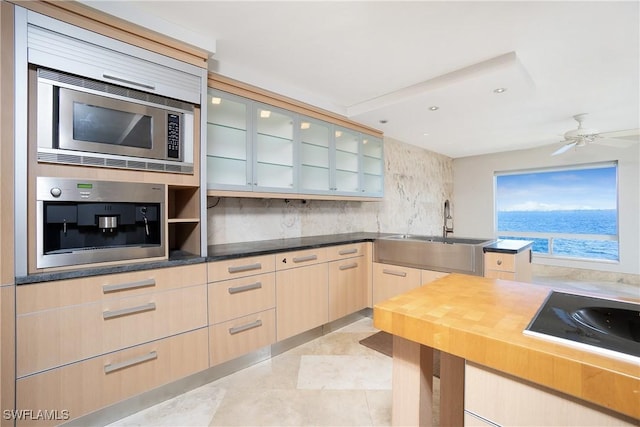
x,y
481,320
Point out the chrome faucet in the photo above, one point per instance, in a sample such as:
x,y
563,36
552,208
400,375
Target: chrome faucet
x,y
446,227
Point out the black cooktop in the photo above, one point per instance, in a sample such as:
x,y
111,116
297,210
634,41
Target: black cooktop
x,y
599,322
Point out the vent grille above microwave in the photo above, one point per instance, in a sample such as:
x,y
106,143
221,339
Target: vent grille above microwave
x,y
84,160
82,82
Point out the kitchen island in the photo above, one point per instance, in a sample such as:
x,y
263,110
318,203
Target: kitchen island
x,y
477,323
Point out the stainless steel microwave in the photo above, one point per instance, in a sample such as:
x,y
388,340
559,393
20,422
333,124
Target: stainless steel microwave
x,y
92,123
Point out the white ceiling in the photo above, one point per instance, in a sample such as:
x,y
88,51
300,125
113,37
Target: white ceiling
x,y
392,60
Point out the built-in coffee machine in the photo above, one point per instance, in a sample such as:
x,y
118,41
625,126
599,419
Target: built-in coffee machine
x,y
85,221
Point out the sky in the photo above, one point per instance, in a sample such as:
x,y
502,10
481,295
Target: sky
x,y
557,190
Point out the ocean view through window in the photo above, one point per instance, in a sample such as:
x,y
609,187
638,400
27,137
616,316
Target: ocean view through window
x,y
570,212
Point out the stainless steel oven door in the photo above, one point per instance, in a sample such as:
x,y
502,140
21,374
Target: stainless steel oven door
x,y
99,124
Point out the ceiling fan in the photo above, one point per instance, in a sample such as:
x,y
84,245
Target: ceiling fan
x,y
582,136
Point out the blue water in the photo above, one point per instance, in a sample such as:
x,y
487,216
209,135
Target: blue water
x,y
566,222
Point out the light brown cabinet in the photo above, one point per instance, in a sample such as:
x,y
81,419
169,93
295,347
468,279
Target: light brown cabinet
x,y
492,398
117,335
242,299
94,383
302,300
508,266
391,280
347,280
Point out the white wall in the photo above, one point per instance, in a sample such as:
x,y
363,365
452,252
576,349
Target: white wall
x,y
417,182
473,179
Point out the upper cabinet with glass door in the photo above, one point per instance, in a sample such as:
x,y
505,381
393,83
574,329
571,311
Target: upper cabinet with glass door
x,y
229,152
314,156
372,179
347,161
273,150
260,148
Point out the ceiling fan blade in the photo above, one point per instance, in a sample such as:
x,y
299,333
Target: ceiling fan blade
x,y
617,142
564,148
632,134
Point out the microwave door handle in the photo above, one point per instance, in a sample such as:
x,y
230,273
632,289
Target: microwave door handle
x,y
112,76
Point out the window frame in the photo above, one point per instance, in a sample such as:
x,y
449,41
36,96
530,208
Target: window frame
x,y
551,236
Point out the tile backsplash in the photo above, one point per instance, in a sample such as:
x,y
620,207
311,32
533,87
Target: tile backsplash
x,y
417,182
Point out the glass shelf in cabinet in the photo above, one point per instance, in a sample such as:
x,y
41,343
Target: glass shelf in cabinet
x,y
310,165
315,144
224,171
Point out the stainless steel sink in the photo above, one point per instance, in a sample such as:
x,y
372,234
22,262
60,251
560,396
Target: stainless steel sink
x,y
605,325
437,239
451,255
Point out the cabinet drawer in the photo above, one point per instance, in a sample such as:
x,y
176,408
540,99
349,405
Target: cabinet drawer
x,y
51,338
236,337
499,261
428,276
497,274
391,280
238,297
295,259
92,384
302,299
239,267
345,251
61,293
347,287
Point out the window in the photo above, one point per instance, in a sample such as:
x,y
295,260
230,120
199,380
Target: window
x,y
570,212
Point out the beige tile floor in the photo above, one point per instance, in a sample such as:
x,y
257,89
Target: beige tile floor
x,y
329,381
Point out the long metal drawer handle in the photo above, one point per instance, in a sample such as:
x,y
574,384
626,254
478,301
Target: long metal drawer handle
x,y
348,251
305,258
136,360
349,266
126,286
238,329
127,311
241,268
245,288
395,273
129,81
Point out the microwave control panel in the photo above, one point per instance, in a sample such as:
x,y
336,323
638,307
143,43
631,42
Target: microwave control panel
x,y
173,136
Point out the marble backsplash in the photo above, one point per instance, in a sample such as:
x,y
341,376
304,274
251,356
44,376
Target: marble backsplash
x,y
417,182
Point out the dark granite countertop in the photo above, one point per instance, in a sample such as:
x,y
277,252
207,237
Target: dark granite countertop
x,y
245,249
175,259
265,247
215,253
508,246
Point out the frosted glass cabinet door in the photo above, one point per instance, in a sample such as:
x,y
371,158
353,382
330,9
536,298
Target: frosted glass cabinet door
x,y
372,166
273,149
347,145
228,141
315,140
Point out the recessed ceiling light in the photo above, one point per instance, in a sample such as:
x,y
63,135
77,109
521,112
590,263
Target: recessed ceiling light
x,y
383,121
434,108
426,134
500,90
